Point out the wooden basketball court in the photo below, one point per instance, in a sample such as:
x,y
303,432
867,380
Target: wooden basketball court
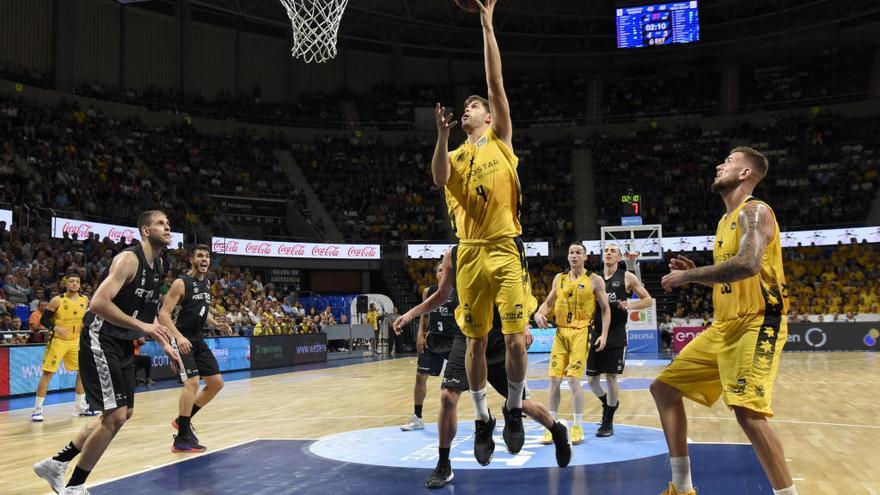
x,y
826,413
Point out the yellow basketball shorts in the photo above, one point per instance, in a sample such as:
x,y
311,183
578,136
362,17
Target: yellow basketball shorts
x,y
737,358
58,350
568,357
489,275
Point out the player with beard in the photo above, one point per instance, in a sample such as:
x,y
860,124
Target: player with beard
x,y
455,379
123,308
737,357
192,291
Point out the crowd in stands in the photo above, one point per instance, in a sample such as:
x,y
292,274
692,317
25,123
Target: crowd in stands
x,y
33,267
82,163
836,282
823,170
643,93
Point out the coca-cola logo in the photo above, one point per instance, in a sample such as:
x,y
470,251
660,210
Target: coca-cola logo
x,y
362,252
225,247
82,230
257,248
116,235
292,249
326,251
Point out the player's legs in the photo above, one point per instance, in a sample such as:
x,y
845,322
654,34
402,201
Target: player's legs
x,y
475,367
516,363
767,445
420,390
670,406
52,469
447,420
213,385
555,396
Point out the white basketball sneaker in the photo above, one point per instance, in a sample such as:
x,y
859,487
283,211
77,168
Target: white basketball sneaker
x,y
414,423
37,416
53,472
75,490
82,409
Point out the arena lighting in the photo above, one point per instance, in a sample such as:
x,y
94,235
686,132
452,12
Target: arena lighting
x,y
291,249
823,237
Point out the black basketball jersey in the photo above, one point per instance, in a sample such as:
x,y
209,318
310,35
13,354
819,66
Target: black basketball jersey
x,y
193,306
615,286
138,298
442,321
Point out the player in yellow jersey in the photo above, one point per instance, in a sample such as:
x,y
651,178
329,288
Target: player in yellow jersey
x,y
63,317
483,198
737,357
572,302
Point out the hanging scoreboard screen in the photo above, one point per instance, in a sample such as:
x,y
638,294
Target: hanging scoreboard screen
x,y
658,24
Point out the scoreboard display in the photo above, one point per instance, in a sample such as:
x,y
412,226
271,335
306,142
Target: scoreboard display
x,y
658,24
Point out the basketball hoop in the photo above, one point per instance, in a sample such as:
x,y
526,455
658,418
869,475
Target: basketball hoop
x,y
631,259
315,24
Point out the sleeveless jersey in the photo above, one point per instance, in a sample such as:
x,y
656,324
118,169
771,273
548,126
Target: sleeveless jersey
x,y
442,323
615,287
483,193
70,316
138,298
575,301
193,306
758,294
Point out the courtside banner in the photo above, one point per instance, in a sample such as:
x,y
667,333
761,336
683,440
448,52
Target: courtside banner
x,y
682,336
4,371
542,340
435,251
232,353
116,233
272,351
26,368
277,249
833,337
6,216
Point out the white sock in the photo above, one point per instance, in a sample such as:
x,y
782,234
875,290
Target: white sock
x,y
681,473
514,394
481,409
553,414
578,418
38,404
80,398
786,491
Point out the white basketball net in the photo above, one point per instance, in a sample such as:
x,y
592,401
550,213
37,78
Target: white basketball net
x,y
315,24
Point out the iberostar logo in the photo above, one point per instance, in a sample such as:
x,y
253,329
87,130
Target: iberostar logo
x,y
871,337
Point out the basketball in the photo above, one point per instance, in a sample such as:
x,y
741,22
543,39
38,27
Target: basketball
x,y
468,5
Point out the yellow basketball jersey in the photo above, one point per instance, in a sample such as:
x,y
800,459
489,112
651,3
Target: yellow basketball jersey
x,y
764,292
483,193
575,301
70,315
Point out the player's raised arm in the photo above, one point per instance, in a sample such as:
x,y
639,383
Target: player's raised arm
x,y
435,300
547,306
498,105
440,165
758,230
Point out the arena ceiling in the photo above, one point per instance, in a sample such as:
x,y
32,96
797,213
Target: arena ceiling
x,y
548,27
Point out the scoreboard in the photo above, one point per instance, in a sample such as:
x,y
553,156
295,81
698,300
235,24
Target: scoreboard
x,y
658,24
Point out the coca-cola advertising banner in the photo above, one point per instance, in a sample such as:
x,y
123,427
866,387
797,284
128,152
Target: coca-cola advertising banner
x,y
6,216
116,233
278,249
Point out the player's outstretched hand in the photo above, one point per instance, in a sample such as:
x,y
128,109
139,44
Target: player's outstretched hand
x,y
444,121
675,278
487,9
541,320
401,322
681,263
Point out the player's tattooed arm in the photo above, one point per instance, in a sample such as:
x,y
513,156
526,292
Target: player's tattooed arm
x,y
758,231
